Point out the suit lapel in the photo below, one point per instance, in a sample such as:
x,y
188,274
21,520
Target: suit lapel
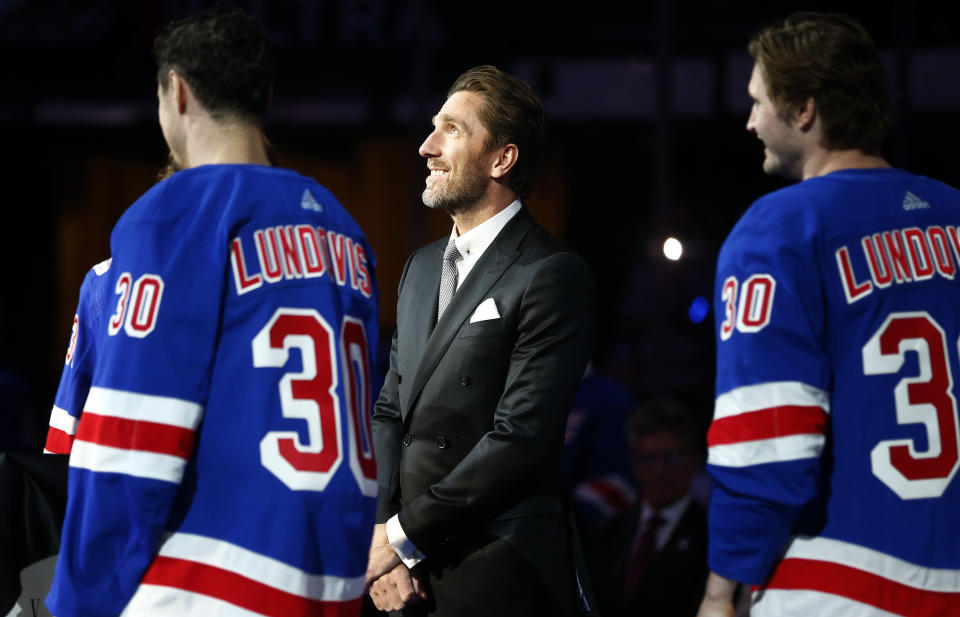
x,y
421,315
498,257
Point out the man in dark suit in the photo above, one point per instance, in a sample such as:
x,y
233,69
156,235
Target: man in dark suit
x,y
651,560
469,426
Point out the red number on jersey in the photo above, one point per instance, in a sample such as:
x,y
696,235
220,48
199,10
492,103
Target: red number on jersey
x,y
756,303
142,318
311,395
925,399
123,290
729,297
72,347
353,346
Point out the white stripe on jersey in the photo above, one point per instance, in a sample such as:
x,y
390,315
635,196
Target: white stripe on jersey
x,y
157,601
767,395
875,562
805,603
760,451
62,420
139,463
143,407
266,570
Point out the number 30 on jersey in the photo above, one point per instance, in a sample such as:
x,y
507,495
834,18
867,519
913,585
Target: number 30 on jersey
x,y
310,395
140,319
926,399
751,311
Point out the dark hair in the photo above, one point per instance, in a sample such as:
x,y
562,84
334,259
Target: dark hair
x,y
512,113
223,56
666,414
832,59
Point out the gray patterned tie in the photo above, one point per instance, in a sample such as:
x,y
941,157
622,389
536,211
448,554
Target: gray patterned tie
x,y
448,276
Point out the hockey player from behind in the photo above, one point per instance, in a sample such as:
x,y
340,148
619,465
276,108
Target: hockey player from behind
x,y
221,463
834,444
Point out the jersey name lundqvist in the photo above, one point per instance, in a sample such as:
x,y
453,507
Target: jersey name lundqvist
x,y
293,252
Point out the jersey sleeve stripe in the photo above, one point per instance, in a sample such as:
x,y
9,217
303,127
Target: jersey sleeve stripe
x,y
107,459
771,603
230,587
158,601
767,424
62,420
863,587
762,451
770,395
134,435
869,560
143,407
226,556
58,442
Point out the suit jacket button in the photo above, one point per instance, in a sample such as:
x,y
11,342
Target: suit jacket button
x,y
441,442
407,439
464,380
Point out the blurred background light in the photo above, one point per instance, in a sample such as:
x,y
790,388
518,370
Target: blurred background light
x,y
672,249
699,309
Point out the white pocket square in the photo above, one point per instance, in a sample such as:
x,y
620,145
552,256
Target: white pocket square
x,y
485,310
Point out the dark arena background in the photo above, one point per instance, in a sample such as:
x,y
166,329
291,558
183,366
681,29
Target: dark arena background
x,y
648,106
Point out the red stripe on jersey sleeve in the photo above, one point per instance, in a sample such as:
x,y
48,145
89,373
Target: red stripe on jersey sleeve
x,y
863,587
242,591
767,424
136,435
58,442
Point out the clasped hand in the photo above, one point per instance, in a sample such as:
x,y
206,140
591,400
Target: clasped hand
x,y
391,584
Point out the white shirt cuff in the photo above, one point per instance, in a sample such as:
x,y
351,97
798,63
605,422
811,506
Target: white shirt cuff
x,y
409,554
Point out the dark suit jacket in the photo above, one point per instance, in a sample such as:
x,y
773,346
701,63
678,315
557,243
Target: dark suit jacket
x,y
469,426
672,585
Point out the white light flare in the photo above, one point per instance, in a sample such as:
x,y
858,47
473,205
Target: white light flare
x,y
672,249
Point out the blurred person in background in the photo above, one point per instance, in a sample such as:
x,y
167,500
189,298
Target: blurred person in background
x,y
651,560
596,455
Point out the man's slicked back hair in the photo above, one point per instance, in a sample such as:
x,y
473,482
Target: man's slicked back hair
x,y
222,54
513,114
832,59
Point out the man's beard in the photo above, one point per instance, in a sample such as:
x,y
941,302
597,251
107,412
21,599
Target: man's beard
x,y
460,194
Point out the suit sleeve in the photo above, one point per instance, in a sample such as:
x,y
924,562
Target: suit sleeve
x,y
524,449
145,404
771,413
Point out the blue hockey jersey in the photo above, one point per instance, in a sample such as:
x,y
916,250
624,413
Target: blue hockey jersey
x,y
81,357
223,461
834,444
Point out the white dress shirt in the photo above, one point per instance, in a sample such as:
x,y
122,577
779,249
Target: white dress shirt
x,y
471,245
